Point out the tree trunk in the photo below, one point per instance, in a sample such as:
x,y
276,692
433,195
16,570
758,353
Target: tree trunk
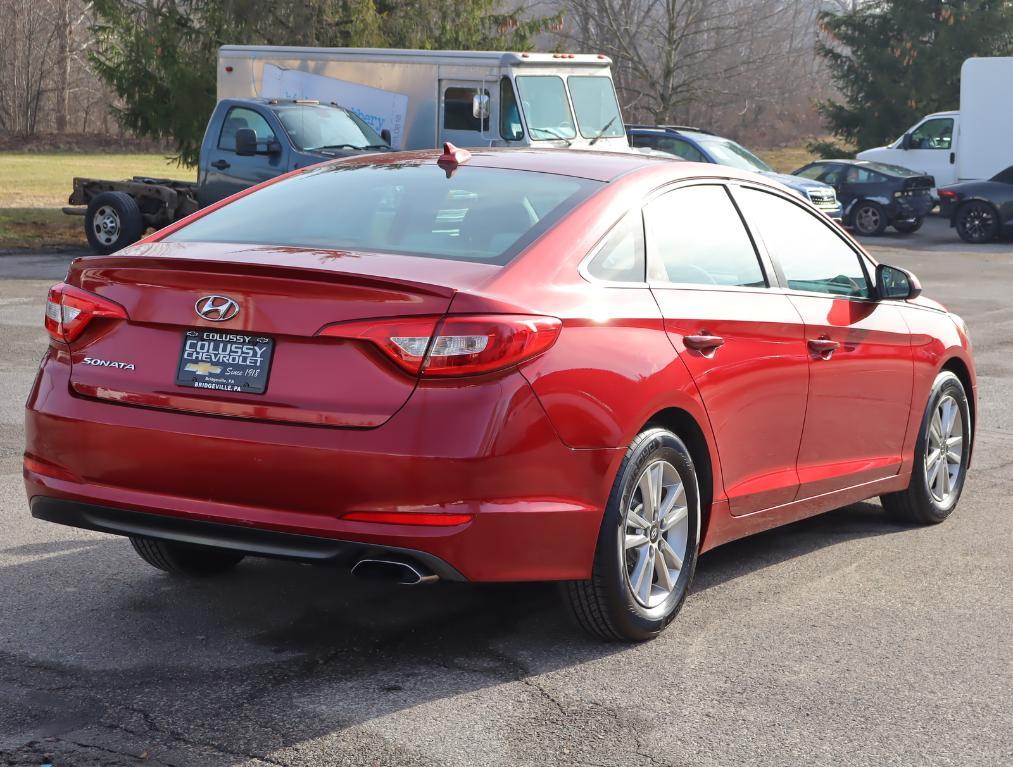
x,y
64,33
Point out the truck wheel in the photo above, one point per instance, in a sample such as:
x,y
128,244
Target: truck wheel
x,y
977,222
910,226
869,218
113,221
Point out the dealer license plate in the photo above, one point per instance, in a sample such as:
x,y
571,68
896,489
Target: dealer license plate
x,y
232,362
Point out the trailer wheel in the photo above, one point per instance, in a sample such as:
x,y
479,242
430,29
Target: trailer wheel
x,y
113,221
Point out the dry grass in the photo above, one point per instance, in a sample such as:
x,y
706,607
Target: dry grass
x,y
40,228
786,159
44,180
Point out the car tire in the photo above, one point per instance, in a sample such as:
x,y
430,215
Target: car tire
x,y
614,604
910,226
869,219
931,495
112,222
186,559
976,222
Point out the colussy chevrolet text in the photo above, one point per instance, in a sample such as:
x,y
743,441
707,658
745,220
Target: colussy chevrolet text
x,y
507,365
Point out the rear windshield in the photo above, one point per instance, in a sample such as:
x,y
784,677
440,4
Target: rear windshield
x,y
485,215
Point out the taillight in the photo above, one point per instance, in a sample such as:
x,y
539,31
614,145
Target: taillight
x,y
457,345
70,309
946,194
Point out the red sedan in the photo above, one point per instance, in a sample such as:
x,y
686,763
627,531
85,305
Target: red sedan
x,y
511,365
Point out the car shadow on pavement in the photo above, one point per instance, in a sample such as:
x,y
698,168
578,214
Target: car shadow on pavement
x,y
275,655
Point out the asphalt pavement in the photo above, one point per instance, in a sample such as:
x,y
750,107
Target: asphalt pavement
x,y
840,640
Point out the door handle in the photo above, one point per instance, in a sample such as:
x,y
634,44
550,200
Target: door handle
x,y
220,164
953,158
824,347
703,342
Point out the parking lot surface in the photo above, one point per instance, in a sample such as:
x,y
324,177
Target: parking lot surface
x,y
843,639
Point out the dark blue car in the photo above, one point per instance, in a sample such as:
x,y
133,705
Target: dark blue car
x,y
700,146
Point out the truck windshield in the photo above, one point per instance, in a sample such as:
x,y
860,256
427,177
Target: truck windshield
x,y
729,153
312,127
408,207
594,101
543,99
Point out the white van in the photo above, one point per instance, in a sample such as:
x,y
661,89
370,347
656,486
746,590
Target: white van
x,y
424,98
966,145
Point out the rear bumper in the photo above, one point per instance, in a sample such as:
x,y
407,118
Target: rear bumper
x,y
485,449
915,207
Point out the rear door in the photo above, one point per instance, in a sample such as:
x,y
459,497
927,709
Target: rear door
x,y
860,361
742,342
225,172
463,120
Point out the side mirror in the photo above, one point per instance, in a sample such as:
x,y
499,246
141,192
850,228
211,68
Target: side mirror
x,y
385,135
480,106
892,282
905,141
246,142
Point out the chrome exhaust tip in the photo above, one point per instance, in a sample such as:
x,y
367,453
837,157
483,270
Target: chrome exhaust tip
x,y
405,573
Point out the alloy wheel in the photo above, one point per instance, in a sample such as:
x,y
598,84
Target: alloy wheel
x,y
867,219
978,222
655,534
944,451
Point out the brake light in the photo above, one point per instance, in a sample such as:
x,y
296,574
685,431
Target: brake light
x,y
457,345
946,194
69,310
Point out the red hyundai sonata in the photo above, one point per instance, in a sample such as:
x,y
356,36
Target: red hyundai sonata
x,y
512,365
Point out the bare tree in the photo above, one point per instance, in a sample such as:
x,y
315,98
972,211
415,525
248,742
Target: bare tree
x,y
25,62
701,60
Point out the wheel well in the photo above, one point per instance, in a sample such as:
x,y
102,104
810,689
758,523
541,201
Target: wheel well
x,y
681,423
956,366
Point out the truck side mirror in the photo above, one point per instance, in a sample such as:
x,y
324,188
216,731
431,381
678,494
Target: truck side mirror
x,y
905,141
894,282
246,142
385,135
480,106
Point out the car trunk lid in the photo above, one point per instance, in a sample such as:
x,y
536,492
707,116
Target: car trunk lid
x,y
283,297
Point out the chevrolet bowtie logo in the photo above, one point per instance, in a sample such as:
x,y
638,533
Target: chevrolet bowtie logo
x,y
202,368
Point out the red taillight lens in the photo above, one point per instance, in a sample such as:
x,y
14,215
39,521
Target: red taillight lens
x,y
459,345
946,194
70,309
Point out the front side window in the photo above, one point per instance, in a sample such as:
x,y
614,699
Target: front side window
x,y
410,208
933,134
239,118
696,236
543,98
594,101
813,257
812,172
458,110
621,258
510,126
313,127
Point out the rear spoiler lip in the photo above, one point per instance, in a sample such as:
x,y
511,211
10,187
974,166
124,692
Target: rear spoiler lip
x,y
221,265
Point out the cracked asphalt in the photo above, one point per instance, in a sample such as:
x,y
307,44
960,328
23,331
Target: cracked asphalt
x,y
843,639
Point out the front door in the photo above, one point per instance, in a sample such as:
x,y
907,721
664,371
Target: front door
x,y
861,367
226,172
742,342
931,150
463,120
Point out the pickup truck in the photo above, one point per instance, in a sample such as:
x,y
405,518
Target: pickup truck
x,y
247,141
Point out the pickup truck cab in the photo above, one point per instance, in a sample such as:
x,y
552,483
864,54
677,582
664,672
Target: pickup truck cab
x,y
247,141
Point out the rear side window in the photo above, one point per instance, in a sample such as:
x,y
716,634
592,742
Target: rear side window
x,y
696,236
621,258
813,257
478,214
239,118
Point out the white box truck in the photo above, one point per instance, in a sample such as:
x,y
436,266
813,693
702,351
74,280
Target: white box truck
x,y
424,98
967,145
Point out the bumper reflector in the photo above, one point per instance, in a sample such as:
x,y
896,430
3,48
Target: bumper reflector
x,y
408,518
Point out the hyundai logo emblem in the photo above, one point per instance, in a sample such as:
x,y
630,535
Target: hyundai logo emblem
x,y
216,308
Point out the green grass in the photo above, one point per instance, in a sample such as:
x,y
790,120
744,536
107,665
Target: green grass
x,y
45,180
786,159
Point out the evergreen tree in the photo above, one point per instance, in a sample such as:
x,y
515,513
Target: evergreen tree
x,y
160,56
897,60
